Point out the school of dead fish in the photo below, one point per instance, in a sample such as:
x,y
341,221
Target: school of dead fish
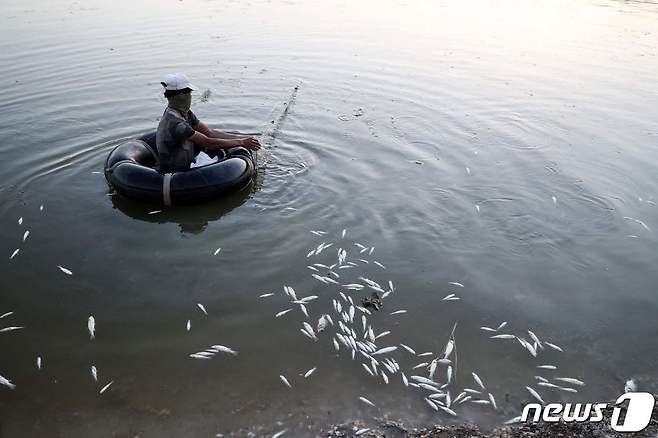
x,y
349,327
434,379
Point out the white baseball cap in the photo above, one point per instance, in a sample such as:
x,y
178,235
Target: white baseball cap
x,y
176,81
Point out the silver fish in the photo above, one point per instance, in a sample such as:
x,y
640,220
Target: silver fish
x,y
382,334
10,329
266,295
561,388
502,324
432,369
106,387
4,315
27,233
309,372
323,322
283,312
203,309
553,346
547,367
409,349
535,338
503,336
94,373
448,410
38,362
385,350
279,433
155,211
535,394
224,349
189,325
91,326
493,401
342,235
15,253
630,386
487,329
478,380
216,251
366,401
449,348
5,382
285,381
481,402
20,220
64,270
379,264
454,283
427,353
431,403
398,312
570,380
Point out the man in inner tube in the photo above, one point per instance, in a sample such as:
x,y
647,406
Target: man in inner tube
x,y
180,130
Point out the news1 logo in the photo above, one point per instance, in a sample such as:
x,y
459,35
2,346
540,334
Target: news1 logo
x,y
638,412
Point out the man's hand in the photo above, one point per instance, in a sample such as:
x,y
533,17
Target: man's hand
x,y
250,143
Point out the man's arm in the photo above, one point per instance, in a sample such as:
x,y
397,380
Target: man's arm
x,y
223,143
213,133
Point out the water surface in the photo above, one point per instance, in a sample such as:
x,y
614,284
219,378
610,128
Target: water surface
x,y
509,147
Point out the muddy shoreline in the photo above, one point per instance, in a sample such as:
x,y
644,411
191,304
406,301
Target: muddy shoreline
x,y
393,429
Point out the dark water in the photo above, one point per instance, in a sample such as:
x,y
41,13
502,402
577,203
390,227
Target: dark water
x,y
409,115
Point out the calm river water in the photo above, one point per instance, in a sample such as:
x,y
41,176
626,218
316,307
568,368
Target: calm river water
x,y
510,147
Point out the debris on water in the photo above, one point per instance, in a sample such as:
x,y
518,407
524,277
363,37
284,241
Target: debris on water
x,y
205,95
372,302
630,386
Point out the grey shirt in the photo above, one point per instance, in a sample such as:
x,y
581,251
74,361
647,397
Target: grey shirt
x,y
175,149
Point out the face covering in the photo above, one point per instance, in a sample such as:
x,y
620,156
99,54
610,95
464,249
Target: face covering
x,y
181,103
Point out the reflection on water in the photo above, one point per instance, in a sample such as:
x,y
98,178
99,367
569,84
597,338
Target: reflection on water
x,y
190,220
508,147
